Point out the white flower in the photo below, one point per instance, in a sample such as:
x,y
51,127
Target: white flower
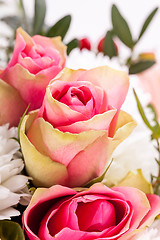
x,y
12,184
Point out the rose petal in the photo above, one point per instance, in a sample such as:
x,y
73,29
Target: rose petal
x,y
31,87
45,167
114,83
89,163
23,41
154,201
137,198
58,113
53,43
96,215
67,145
12,105
98,122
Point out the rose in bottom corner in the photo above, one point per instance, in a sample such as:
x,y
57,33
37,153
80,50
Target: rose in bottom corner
x,y
69,140
95,213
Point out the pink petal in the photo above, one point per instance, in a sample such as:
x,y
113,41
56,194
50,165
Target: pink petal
x,y
31,87
29,64
12,105
57,113
96,215
139,203
23,41
98,122
55,43
85,166
154,201
60,147
115,83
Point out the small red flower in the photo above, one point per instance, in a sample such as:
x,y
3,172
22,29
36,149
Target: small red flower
x,y
84,43
100,46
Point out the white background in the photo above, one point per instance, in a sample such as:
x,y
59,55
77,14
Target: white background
x,y
92,18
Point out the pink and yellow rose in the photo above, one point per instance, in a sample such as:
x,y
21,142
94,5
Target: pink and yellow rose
x,y
95,213
35,61
71,137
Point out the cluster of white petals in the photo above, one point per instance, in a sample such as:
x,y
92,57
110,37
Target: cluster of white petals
x,y
12,183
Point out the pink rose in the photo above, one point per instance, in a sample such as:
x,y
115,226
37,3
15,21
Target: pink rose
x,y
70,139
150,81
95,213
34,63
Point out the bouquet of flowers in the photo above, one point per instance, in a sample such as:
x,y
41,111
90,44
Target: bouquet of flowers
x,y
59,127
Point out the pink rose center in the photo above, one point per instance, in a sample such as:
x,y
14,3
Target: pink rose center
x,y
95,216
82,97
38,58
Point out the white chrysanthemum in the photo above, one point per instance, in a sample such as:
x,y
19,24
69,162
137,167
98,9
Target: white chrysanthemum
x,y
12,184
87,59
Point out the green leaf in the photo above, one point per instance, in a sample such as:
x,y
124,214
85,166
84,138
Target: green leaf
x,y
10,231
147,22
60,28
140,66
71,45
155,117
121,27
20,122
39,16
141,111
109,46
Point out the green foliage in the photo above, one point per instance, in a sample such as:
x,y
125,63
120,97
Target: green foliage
x,y
10,231
121,28
39,16
140,66
155,135
60,28
109,46
72,44
147,22
122,31
141,111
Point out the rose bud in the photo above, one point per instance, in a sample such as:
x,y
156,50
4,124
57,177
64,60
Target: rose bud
x,y
84,43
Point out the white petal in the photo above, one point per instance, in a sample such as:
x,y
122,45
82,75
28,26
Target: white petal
x,y
8,213
4,193
16,183
11,200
